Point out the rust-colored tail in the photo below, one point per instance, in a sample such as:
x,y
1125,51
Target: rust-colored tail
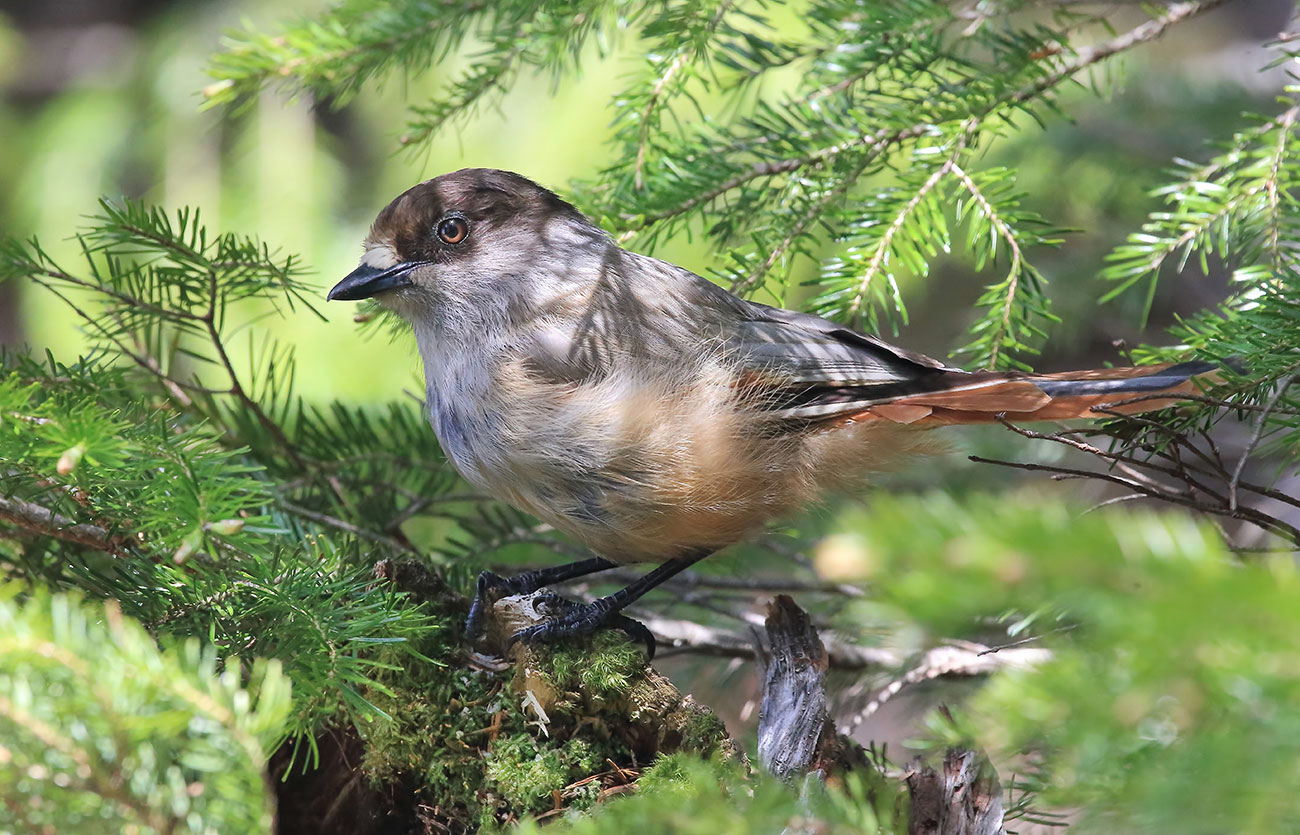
x,y
985,396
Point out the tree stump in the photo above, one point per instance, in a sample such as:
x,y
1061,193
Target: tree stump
x,y
796,736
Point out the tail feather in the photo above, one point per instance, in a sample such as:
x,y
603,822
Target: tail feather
x,y
983,397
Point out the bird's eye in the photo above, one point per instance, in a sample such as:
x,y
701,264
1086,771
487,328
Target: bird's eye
x,y
453,230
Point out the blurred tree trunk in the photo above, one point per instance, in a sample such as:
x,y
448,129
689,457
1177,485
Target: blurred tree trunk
x,y
53,30
11,334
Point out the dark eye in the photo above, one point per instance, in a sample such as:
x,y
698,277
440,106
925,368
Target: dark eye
x,y
453,230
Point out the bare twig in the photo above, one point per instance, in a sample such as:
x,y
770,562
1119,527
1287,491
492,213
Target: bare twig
x,y
42,520
347,527
1106,408
693,579
1249,514
688,637
958,659
1255,435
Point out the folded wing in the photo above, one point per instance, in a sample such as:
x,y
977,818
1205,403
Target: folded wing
x,y
802,367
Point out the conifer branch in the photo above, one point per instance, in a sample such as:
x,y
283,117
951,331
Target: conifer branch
x,y
875,144
348,527
95,775
809,216
209,319
41,520
1084,58
276,511
1285,123
997,337
881,251
656,92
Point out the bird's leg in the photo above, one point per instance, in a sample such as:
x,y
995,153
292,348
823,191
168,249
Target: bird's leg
x,y
559,607
491,587
606,611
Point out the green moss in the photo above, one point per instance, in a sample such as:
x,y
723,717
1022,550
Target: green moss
x,y
669,772
603,669
527,772
585,797
703,732
442,716
462,740
685,771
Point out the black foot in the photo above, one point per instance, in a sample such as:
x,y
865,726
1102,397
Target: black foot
x,y
487,590
578,619
492,587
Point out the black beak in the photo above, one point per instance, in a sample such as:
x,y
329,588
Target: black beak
x,y
365,282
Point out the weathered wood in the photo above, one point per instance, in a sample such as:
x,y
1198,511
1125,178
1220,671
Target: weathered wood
x,y
795,734
964,798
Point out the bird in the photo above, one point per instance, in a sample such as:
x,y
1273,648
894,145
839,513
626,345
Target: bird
x,y
645,411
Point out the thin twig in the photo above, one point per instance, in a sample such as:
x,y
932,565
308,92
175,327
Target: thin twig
x,y
959,659
1185,470
693,580
42,520
1109,406
685,636
1119,460
347,527
1249,514
1282,385
133,301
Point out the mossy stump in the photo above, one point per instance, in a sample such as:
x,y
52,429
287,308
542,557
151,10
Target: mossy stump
x,y
473,741
606,679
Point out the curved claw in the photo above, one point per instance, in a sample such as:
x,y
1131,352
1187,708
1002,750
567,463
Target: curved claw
x,y
584,620
637,631
487,584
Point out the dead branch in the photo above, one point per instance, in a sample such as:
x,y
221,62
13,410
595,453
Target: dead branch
x,y
963,798
42,520
795,733
958,659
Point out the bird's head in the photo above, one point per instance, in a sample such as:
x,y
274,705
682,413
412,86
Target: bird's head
x,y
467,239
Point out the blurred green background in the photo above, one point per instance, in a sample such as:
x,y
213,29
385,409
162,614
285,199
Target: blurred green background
x,y
102,97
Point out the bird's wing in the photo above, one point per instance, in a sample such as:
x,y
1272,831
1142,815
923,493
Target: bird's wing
x,y
801,366
810,349
807,368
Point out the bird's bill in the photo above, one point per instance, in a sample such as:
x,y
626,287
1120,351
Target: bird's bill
x,y
365,281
